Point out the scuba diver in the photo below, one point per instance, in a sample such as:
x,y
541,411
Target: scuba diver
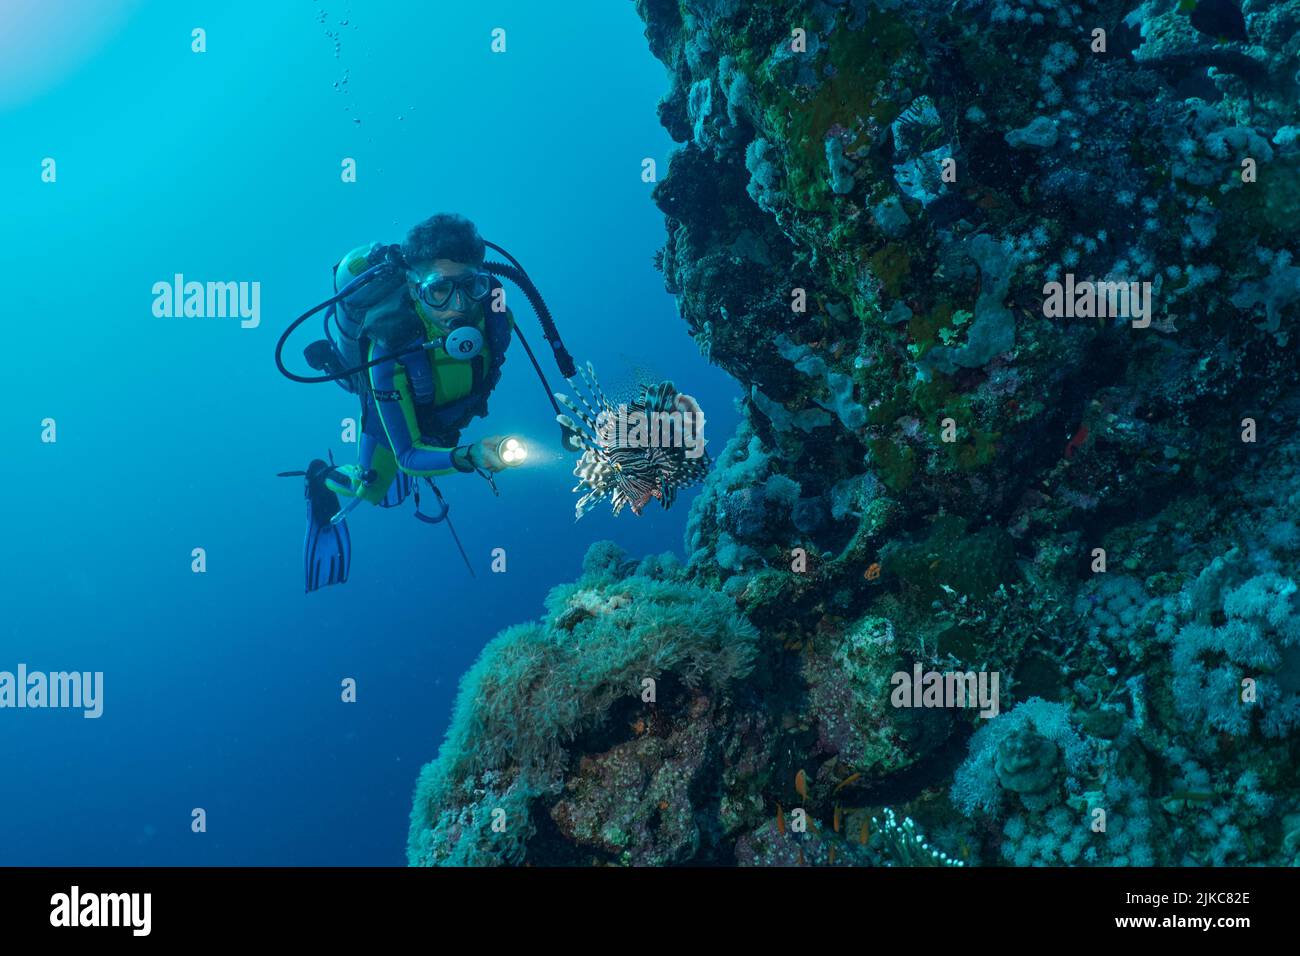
x,y
418,331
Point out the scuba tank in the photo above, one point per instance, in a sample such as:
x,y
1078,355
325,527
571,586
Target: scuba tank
x,y
372,274
344,319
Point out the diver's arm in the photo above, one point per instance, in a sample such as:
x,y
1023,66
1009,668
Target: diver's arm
x,y
413,457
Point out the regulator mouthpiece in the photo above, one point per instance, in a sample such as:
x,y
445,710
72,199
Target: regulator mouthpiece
x,y
463,343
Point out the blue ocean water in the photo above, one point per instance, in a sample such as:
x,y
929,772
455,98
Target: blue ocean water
x,y
222,690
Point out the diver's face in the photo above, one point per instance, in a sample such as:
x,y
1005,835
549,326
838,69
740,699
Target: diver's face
x,y
458,305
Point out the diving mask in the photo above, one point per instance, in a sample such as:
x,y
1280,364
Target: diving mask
x,y
437,290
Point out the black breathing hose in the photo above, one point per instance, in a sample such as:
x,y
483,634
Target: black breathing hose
x,y
519,277
335,376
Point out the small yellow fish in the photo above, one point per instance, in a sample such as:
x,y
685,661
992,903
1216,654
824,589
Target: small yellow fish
x,y
780,820
865,832
801,784
836,822
845,782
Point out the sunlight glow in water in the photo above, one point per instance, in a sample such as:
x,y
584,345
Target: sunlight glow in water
x,y
43,42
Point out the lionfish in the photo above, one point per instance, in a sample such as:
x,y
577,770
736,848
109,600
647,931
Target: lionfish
x,y
633,451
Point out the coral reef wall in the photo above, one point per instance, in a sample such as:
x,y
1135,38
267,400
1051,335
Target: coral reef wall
x,y
943,462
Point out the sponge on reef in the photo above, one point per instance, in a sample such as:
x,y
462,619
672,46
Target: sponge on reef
x,y
538,686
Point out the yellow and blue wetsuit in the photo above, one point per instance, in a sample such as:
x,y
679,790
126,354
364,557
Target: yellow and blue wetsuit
x,y
394,441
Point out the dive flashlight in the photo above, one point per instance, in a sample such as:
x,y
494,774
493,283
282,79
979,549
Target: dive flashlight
x,y
511,451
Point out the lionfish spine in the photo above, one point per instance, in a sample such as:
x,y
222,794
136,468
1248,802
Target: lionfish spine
x,y
593,383
591,432
592,412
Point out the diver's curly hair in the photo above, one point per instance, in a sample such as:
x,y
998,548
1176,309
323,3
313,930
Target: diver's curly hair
x,y
444,236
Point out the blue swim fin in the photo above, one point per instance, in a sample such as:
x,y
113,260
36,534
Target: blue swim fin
x,y
327,547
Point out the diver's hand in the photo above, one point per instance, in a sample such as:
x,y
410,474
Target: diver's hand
x,y
347,479
483,454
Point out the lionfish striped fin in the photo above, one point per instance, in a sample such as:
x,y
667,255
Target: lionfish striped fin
x,y
591,433
659,398
593,383
592,406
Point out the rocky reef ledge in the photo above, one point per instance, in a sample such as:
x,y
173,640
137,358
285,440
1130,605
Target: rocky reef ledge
x,y
938,469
